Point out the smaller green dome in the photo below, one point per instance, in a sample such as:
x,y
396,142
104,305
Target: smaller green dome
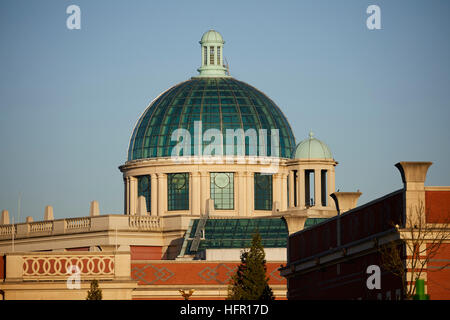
x,y
312,148
212,36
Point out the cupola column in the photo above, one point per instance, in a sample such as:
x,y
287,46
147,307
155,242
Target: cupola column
x,y
208,50
126,182
162,193
331,188
284,204
301,188
291,189
203,55
277,188
133,195
317,188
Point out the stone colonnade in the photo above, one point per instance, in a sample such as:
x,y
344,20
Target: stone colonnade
x,y
199,193
299,182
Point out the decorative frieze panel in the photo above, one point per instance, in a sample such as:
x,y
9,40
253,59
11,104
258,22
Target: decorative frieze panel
x,y
190,273
39,267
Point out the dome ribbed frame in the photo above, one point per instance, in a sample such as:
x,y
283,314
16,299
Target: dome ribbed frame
x,y
220,103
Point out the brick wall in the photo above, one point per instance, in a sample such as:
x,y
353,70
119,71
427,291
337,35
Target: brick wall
x,y
145,253
343,281
437,206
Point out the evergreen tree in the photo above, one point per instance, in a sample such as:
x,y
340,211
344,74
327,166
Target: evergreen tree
x,y
95,293
250,281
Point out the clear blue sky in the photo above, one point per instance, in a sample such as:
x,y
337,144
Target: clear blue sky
x,y
69,98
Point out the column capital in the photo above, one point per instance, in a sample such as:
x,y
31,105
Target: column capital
x,y
161,175
277,175
239,173
247,173
195,173
204,174
413,174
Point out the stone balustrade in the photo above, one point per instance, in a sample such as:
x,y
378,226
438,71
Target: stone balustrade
x,y
79,225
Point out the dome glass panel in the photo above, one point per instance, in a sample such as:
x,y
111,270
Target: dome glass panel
x,y
219,103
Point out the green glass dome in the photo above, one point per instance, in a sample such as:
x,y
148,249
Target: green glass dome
x,y
218,102
312,148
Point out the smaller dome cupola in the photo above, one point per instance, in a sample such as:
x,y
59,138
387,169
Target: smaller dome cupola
x,y
212,55
312,148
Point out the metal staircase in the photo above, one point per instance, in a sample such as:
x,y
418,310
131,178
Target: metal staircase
x,y
199,231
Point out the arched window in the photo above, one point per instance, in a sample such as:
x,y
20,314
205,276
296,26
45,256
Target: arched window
x,y
263,191
205,56
178,191
144,189
222,190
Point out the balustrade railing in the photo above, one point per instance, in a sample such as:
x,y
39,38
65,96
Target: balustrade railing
x,y
78,223
7,230
81,224
41,226
144,222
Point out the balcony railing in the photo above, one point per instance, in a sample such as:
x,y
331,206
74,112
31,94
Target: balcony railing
x,y
59,266
144,223
80,225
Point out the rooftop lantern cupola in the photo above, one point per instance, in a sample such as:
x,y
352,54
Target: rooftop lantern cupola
x,y
212,55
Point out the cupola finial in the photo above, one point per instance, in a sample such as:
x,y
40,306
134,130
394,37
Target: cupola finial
x,y
212,55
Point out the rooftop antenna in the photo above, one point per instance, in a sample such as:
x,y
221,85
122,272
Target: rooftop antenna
x,y
227,66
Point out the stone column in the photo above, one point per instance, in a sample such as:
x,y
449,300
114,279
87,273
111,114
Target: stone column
x,y
133,195
301,188
317,188
250,199
276,188
203,55
240,193
162,193
154,195
126,183
330,186
284,204
291,189
204,192
195,195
